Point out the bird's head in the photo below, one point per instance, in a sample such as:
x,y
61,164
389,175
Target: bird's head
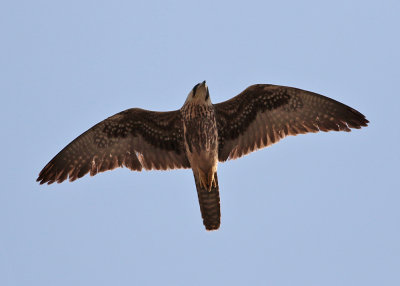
x,y
199,94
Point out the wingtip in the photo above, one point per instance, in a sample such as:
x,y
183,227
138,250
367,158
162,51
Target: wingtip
x,y
363,121
40,179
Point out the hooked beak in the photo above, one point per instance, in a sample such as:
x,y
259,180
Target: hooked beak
x,y
203,84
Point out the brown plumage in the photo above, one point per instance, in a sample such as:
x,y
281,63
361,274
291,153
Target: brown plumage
x,y
199,135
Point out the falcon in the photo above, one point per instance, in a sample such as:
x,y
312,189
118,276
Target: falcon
x,y
199,135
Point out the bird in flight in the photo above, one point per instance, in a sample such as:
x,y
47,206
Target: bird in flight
x,y
199,135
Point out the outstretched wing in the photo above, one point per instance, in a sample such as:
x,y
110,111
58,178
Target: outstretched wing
x,y
263,114
134,138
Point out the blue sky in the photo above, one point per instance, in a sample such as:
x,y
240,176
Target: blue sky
x,y
316,209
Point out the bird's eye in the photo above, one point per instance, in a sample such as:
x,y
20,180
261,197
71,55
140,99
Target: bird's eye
x,y
195,88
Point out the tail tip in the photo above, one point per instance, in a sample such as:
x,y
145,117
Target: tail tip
x,y
212,227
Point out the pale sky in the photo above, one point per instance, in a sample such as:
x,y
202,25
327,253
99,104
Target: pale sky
x,y
315,209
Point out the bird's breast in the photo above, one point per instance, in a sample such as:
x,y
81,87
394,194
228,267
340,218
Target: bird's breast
x,y
200,129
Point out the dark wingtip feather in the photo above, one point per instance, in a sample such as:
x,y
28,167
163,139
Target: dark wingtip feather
x,y
357,119
50,175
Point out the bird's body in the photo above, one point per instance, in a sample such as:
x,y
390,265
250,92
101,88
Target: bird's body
x,y
200,135
201,145
201,139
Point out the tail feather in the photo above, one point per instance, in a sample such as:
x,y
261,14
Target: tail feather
x,y
209,205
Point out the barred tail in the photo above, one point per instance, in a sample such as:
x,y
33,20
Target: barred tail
x,y
209,205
